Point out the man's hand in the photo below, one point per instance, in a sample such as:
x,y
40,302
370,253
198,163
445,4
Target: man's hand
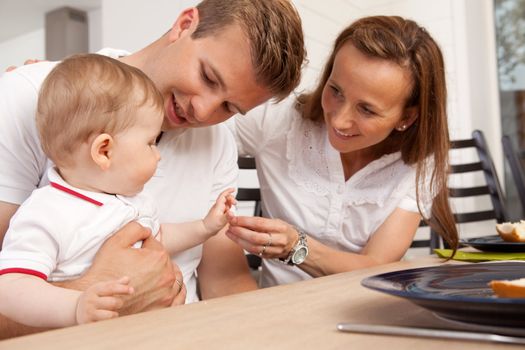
x,y
152,274
29,61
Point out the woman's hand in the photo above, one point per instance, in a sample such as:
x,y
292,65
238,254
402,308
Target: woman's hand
x,y
268,238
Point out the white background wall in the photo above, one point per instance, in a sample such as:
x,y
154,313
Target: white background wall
x,y
463,28
16,50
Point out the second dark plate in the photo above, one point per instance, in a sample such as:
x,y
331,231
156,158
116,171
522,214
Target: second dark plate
x,y
494,243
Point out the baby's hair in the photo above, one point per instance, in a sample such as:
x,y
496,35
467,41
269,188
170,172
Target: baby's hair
x,y
86,95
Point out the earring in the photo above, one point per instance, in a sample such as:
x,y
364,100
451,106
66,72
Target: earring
x,y
402,127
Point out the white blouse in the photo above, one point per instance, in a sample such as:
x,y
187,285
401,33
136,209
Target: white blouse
x,y
302,182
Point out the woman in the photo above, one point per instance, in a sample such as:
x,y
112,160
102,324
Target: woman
x,y
348,171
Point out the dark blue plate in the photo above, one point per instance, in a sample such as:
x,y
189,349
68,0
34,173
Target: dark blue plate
x,y
458,292
494,244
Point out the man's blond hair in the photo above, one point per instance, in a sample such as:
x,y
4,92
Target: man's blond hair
x,y
273,28
86,95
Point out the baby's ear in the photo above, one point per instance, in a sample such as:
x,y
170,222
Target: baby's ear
x,y
101,150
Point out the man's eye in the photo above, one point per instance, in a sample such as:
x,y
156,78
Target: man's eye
x,y
207,79
228,107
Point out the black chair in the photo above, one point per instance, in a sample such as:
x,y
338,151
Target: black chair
x,y
515,167
245,194
249,194
491,187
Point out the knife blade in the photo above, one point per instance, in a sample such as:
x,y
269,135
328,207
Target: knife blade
x,y
428,333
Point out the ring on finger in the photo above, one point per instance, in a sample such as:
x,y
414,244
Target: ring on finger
x,y
263,249
269,244
179,283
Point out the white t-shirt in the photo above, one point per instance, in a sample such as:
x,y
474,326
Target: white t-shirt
x,y
57,231
196,164
302,182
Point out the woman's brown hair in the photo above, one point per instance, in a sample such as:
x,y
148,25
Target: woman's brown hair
x,y
426,142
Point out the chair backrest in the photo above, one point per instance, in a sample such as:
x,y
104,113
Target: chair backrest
x,y
491,188
515,167
245,194
249,194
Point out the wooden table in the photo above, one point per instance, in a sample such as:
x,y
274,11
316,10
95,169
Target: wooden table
x,y
298,316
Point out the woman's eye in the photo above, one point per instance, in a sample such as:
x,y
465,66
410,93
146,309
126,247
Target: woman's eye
x,y
366,110
335,91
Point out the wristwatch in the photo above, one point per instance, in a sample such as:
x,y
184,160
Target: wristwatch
x,y
299,251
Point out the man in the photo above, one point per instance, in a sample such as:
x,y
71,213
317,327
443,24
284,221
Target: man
x,y
218,59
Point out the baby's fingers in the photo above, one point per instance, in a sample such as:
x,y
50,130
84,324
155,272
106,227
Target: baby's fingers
x,y
108,304
118,287
230,215
231,201
226,193
101,315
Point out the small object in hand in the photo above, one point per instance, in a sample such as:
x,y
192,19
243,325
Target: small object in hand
x,y
512,231
509,288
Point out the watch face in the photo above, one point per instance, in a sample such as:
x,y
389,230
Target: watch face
x,y
300,255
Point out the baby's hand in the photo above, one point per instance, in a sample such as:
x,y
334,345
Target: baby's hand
x,y
101,301
220,213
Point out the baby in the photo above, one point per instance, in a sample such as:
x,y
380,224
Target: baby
x,y
98,121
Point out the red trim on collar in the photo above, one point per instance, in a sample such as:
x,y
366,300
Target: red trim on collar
x,y
24,271
76,194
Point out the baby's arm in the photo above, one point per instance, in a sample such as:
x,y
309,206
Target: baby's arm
x,y
34,302
179,237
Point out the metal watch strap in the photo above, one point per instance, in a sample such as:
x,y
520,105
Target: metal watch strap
x,y
301,241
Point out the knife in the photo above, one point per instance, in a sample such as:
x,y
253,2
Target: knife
x,y
428,333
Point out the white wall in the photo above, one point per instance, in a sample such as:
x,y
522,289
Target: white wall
x,y
133,24
32,45
20,48
95,30
463,28
481,70
470,63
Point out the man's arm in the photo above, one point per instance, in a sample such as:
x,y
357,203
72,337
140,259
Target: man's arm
x,y
223,269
